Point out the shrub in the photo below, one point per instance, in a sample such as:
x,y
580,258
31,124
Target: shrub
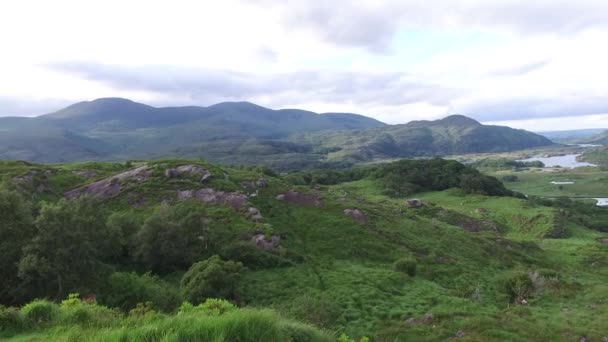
x,y
40,312
212,306
405,265
518,286
125,290
10,319
319,310
211,278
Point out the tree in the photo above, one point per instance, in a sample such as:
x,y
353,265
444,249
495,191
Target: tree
x,y
172,238
67,251
211,278
122,228
16,230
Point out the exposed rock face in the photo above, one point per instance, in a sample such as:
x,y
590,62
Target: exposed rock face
x,y
300,198
603,240
261,242
209,195
357,215
190,170
254,214
111,186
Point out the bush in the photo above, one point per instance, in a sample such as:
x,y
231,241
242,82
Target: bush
x,y
212,306
10,319
319,310
518,286
125,290
211,278
405,265
40,312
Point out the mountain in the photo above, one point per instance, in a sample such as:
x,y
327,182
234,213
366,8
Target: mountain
x,y
571,135
599,139
241,133
455,134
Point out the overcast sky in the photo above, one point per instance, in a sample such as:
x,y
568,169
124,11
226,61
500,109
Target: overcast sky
x,y
539,65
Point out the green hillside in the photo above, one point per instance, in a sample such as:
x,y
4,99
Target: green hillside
x,y
599,139
454,134
341,252
242,133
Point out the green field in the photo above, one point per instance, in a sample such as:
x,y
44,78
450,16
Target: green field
x,y
588,182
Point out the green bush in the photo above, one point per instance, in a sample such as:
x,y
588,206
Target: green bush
x,y
40,312
319,310
10,319
518,286
124,290
211,278
212,306
405,265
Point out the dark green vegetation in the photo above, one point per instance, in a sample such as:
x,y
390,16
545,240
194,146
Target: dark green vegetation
x,y
241,133
339,251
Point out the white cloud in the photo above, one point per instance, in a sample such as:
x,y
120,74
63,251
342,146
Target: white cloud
x,y
537,59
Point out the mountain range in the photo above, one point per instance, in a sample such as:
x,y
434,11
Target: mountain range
x,y
242,133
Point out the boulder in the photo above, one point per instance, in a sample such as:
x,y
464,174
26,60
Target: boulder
x,y
189,170
262,242
295,197
254,214
357,215
262,182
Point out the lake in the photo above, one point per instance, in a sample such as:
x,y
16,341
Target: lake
x,y
602,202
568,160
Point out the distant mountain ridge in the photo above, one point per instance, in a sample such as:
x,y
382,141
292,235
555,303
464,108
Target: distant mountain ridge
x,y
241,132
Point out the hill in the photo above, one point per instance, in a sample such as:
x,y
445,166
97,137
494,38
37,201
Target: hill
x,y
241,133
569,136
341,250
599,139
454,134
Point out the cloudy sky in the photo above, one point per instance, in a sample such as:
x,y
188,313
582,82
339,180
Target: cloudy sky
x,y
539,65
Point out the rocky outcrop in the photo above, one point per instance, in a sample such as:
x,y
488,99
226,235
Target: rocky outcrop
x,y
260,241
357,215
33,181
111,186
295,197
208,195
188,170
260,183
254,214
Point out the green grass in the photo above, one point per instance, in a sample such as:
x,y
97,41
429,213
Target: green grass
x,y
587,183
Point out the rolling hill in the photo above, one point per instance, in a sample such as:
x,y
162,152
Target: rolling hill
x,y
241,133
599,139
455,134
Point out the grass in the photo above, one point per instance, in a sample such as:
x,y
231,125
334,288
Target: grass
x,y
588,182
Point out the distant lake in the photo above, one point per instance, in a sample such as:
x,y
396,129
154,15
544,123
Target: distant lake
x,y
602,202
568,160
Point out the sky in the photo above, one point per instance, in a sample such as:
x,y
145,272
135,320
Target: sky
x,y
538,65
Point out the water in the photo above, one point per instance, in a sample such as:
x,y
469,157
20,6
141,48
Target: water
x,y
560,183
601,202
568,161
